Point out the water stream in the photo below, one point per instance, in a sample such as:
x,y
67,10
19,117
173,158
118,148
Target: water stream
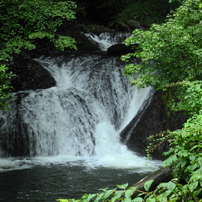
x,y
69,134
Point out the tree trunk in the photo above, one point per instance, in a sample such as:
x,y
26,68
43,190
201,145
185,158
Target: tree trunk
x,y
161,175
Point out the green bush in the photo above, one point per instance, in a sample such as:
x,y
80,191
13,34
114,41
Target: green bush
x,y
5,86
22,21
186,96
170,52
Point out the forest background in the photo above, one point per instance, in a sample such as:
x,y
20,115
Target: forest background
x,y
169,42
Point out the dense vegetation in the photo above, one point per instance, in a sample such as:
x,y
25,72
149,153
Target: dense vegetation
x,y
171,55
22,21
5,86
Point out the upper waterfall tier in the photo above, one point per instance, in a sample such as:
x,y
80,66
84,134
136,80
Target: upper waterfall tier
x,y
106,39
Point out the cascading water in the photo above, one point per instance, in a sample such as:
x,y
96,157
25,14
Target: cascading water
x,y
80,117
106,39
76,123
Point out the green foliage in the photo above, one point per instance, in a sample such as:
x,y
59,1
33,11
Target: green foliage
x,y
5,86
120,193
170,52
164,192
186,96
22,21
64,41
184,158
185,153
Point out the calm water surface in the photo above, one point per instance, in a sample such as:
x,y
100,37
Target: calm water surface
x,y
48,183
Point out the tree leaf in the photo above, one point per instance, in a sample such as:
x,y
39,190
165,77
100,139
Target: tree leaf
x,y
108,193
148,184
130,191
123,186
193,185
196,193
138,199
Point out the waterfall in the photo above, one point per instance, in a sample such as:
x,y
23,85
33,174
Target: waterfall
x,y
80,119
106,39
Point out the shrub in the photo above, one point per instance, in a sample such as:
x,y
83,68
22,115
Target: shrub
x,y
22,21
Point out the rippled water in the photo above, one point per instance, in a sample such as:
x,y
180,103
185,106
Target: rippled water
x,y
50,182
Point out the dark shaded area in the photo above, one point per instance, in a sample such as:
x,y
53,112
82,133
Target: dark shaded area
x,y
15,140
54,181
69,28
99,11
30,75
121,49
118,13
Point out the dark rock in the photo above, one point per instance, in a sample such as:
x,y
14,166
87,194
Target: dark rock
x,y
154,120
84,44
72,29
121,49
46,48
134,24
30,75
15,141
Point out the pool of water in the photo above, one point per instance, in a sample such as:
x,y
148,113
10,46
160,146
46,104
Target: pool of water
x,y
51,182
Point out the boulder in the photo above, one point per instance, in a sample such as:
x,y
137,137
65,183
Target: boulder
x,y
121,49
134,24
84,43
30,75
153,120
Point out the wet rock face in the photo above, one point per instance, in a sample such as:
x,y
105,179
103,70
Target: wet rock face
x,y
30,75
15,141
154,120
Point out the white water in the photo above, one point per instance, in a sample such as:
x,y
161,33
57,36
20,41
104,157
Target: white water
x,y
105,40
79,120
